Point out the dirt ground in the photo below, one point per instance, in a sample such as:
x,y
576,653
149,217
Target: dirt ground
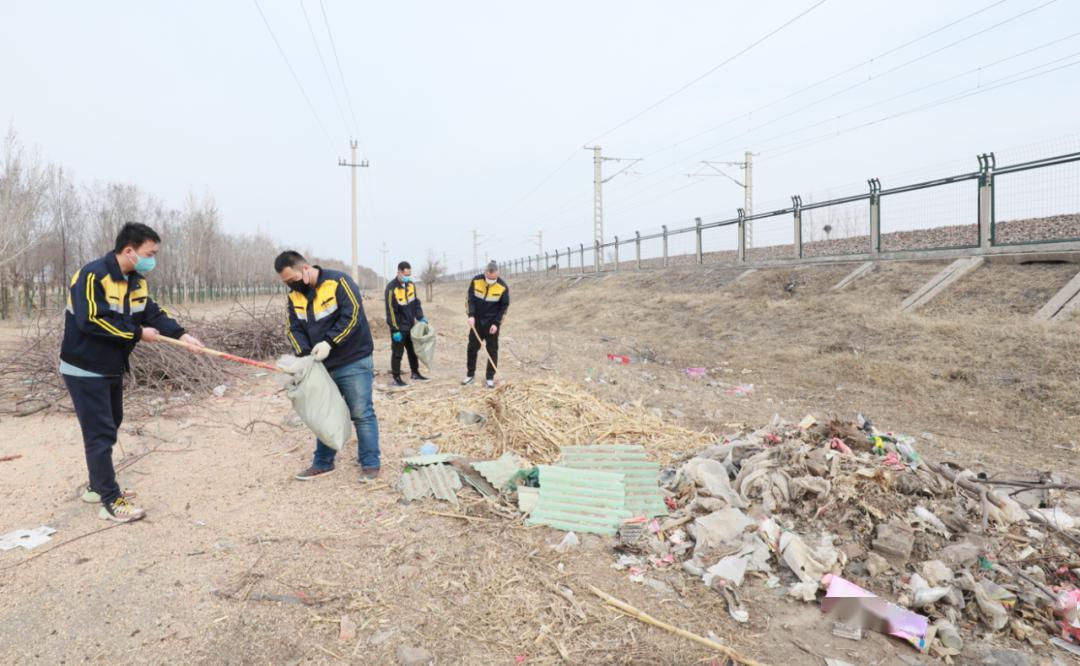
x,y
239,563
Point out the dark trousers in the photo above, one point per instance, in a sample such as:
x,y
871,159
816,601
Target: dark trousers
x,y
491,341
99,405
396,349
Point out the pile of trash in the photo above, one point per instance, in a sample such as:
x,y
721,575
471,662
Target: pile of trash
x,y
830,511
836,513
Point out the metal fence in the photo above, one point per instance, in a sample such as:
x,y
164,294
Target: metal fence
x,y
989,209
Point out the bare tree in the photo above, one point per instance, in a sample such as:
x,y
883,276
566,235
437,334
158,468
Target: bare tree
x,y
432,272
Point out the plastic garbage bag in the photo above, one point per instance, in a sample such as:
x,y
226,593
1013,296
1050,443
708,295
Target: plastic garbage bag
x,y
423,340
922,594
317,400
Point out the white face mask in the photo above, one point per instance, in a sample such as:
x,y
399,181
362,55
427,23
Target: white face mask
x,y
491,281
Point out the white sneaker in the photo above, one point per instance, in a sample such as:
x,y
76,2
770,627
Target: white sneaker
x,y
491,383
121,511
468,380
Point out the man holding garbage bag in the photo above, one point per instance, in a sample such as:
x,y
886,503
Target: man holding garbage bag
x,y
403,309
326,320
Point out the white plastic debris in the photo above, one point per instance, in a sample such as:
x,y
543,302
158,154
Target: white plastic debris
x,y
1054,517
568,542
28,539
922,595
932,521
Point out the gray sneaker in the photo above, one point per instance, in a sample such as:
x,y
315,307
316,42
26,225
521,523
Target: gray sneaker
x,y
468,380
491,383
312,473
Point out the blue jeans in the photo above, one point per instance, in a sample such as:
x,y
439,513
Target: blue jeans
x,y
354,380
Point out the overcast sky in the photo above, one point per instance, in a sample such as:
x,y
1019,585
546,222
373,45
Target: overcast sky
x,y
466,110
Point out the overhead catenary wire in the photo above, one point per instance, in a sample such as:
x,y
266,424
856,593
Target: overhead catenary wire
x,y
742,135
708,73
830,78
296,78
569,158
993,85
778,100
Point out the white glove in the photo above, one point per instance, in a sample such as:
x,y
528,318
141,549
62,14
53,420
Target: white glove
x,y
320,351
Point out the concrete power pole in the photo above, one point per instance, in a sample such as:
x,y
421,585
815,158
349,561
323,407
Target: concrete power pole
x,y
748,196
475,249
385,268
598,187
354,165
747,184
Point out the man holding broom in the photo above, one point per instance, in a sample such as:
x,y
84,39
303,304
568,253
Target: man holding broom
x,y
326,320
486,302
109,311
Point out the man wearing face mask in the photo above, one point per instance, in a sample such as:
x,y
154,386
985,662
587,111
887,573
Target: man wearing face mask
x,y
326,320
486,302
403,309
109,310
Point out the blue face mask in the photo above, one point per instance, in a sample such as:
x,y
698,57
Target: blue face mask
x,y
145,264
406,279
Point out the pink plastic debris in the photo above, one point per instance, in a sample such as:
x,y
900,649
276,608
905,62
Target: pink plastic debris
x,y
695,373
839,445
874,612
619,358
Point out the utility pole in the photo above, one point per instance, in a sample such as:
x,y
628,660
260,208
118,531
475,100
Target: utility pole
x,y
747,184
354,165
385,268
598,186
539,237
475,249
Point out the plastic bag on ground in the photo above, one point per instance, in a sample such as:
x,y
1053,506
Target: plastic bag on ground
x,y
317,401
711,476
423,340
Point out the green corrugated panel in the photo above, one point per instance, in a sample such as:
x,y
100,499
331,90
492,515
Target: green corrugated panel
x,y
640,475
433,459
580,500
499,471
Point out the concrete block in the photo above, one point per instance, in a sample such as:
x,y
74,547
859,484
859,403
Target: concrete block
x,y
940,282
1063,302
863,269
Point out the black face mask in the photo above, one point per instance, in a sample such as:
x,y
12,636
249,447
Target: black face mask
x,y
297,285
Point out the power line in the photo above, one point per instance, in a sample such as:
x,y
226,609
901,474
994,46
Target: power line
x,y
831,77
326,70
708,73
973,70
983,88
741,135
295,77
569,158
341,73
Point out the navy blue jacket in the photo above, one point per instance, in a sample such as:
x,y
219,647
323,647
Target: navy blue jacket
x,y
105,316
487,302
330,310
403,308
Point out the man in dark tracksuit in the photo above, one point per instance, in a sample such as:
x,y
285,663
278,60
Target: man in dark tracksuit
x,y
326,320
109,310
487,301
403,309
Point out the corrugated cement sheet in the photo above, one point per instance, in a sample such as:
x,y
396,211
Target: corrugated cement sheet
x,y
499,471
580,500
440,481
643,496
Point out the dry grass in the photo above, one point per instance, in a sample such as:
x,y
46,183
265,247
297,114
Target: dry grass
x,y
534,417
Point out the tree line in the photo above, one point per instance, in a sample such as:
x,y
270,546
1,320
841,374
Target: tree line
x,y
50,225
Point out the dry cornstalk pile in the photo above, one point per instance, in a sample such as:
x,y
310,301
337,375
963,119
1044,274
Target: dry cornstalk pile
x,y
535,417
32,371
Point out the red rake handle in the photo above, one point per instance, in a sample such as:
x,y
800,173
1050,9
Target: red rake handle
x,y
219,354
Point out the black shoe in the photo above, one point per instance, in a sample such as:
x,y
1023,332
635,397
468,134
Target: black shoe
x,y
419,377
398,382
